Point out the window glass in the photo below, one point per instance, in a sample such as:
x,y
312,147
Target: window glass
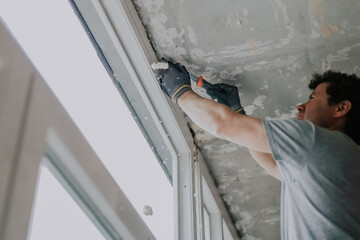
x,y
56,215
53,38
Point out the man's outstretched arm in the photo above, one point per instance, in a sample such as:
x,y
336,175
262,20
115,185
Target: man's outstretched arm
x,y
217,118
229,96
222,122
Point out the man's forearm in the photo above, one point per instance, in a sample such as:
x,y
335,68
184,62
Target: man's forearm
x,y
206,113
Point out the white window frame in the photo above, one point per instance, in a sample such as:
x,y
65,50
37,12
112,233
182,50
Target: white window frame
x,y
122,44
33,124
213,211
208,197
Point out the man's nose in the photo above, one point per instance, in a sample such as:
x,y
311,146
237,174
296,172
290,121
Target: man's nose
x,y
300,108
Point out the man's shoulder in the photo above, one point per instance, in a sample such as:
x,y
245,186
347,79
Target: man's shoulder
x,y
335,141
289,138
304,127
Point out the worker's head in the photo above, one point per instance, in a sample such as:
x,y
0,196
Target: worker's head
x,y
334,103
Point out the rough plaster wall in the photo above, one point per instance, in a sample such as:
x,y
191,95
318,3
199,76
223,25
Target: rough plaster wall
x,y
269,49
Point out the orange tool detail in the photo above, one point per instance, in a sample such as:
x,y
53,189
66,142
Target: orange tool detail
x,y
200,82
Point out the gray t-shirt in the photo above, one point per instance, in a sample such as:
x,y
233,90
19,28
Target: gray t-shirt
x,y
320,197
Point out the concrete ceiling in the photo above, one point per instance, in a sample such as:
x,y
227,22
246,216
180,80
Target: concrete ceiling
x,y
269,49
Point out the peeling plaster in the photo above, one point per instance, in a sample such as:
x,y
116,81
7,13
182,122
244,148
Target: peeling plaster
x,y
289,26
246,221
340,55
265,86
241,176
291,63
227,76
325,32
192,35
153,15
210,73
242,195
244,50
317,10
198,53
279,115
249,109
257,103
238,18
316,7
314,28
259,100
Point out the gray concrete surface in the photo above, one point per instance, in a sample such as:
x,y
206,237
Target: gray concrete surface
x,y
269,49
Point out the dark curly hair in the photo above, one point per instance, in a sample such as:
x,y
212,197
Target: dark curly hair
x,y
343,87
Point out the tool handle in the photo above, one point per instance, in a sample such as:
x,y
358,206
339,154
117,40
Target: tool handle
x,y
205,84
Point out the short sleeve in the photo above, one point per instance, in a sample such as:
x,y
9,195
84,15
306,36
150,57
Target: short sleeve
x,y
290,139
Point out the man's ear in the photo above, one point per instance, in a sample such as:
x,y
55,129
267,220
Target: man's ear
x,y
342,108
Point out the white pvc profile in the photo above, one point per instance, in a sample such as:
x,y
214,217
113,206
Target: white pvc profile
x,y
72,175
210,198
200,232
212,210
122,71
118,32
123,43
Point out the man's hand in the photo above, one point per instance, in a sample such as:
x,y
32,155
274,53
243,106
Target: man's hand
x,y
174,81
227,95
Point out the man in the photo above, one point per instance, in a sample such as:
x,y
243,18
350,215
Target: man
x,y
316,156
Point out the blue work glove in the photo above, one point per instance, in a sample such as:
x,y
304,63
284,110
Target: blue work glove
x,y
227,95
174,81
